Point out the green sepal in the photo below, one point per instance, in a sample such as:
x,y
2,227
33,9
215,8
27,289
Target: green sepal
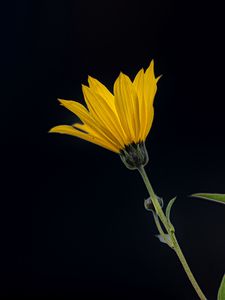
x,y
220,198
221,292
168,209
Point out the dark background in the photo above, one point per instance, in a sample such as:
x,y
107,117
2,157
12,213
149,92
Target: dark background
x,y
73,225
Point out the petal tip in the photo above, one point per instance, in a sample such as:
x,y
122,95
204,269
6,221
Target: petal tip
x,y
52,130
160,76
83,86
151,65
61,101
90,79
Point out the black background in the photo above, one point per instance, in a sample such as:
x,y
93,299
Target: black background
x,y
73,223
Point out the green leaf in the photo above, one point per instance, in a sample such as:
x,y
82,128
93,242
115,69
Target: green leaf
x,y
221,292
168,208
220,198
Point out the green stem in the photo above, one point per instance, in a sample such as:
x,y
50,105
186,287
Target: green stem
x,y
171,233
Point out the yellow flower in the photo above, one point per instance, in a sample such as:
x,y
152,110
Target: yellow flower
x,y
116,122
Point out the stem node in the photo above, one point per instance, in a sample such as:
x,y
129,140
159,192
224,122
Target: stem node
x,y
172,241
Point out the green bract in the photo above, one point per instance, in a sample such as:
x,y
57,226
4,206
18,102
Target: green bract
x,y
221,292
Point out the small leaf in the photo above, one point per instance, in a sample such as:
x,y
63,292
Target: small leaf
x,y
220,198
168,208
161,238
221,292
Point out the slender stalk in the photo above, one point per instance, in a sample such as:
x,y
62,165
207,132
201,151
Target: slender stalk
x,y
171,233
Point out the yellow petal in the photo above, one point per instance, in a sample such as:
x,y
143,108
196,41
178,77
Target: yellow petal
x,y
139,83
149,123
150,83
87,129
99,88
66,129
103,115
150,88
82,127
75,107
83,114
139,87
126,103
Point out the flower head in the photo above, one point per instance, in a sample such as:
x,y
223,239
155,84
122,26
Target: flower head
x,y
119,122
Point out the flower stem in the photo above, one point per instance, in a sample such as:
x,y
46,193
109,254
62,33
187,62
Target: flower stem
x,y
170,231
